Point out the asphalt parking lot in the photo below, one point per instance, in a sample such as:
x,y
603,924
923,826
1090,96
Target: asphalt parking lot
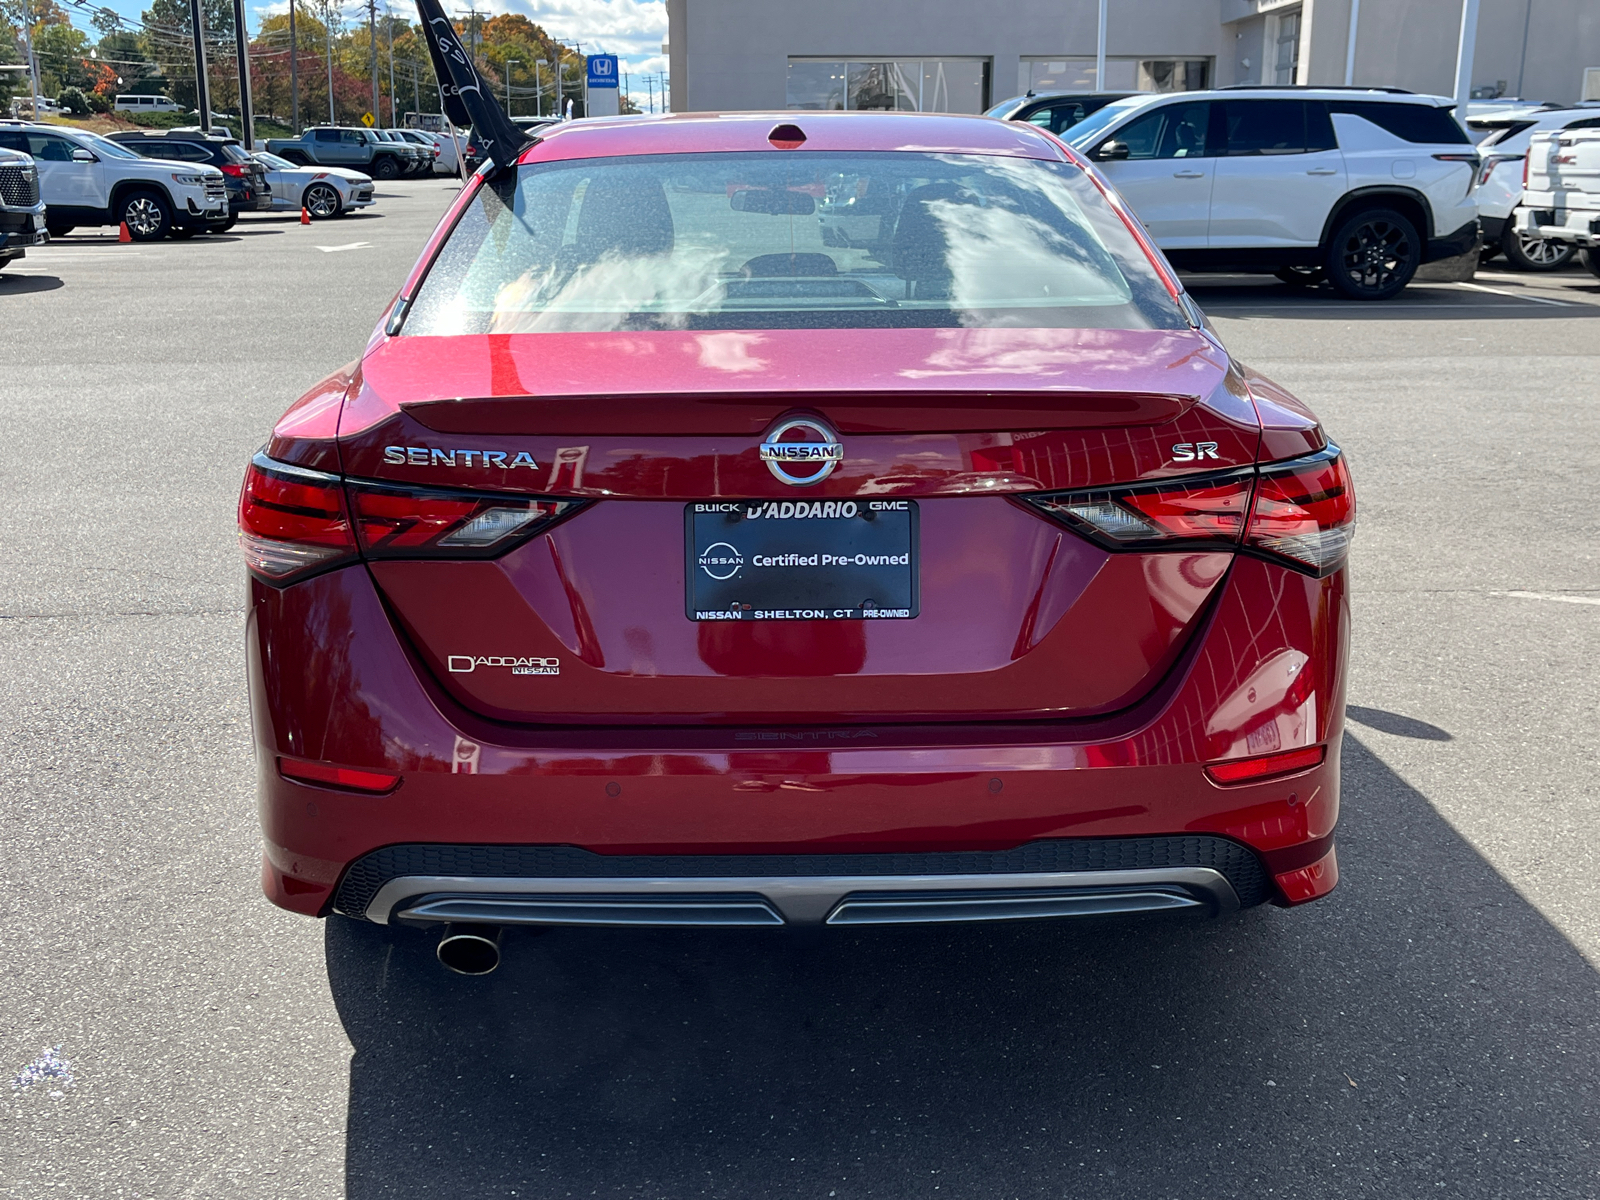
x,y
1432,1029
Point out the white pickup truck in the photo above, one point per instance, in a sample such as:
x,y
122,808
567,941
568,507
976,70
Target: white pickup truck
x,y
1561,191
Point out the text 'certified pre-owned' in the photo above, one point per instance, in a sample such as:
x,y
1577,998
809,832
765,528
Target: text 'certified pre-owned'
x,y
801,452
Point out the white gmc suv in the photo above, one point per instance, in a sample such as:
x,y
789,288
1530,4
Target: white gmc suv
x,y
86,179
1358,186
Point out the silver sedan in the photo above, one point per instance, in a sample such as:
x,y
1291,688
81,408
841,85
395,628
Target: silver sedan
x,y
322,191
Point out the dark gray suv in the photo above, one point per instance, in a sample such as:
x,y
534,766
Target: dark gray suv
x,y
21,209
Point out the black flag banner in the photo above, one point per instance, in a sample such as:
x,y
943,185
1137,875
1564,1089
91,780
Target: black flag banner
x,y
466,100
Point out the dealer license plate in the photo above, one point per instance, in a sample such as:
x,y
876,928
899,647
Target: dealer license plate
x,y
801,560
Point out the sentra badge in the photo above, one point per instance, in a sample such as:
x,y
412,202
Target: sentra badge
x,y
802,452
431,456
465,664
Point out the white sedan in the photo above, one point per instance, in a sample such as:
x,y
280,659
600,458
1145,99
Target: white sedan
x,y
322,191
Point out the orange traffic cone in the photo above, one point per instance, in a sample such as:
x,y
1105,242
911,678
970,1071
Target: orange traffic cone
x,y
305,216
123,235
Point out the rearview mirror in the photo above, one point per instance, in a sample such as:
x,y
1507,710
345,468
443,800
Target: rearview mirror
x,y
1109,151
773,203
82,155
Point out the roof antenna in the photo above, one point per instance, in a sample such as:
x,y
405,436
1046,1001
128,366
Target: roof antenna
x,y
466,100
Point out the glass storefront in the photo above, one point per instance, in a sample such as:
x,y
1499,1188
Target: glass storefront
x,y
1123,74
958,85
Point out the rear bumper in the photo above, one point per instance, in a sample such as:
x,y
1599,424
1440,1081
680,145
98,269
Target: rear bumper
x,y
1461,241
563,885
1578,226
1028,809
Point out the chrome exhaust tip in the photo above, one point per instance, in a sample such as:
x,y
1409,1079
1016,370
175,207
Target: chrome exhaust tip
x,y
470,949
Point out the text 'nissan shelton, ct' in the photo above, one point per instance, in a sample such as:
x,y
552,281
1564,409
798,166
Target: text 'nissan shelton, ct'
x,y
735,522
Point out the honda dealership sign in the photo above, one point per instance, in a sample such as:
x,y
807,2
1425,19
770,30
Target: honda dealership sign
x,y
605,76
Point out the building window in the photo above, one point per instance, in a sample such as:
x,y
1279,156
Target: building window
x,y
958,85
1123,74
1286,58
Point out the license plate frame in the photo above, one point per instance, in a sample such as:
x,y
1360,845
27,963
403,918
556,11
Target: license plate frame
x,y
768,560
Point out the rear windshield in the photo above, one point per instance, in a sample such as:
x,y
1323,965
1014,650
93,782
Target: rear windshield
x,y
805,240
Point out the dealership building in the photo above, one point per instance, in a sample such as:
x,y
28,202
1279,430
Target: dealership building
x,y
962,55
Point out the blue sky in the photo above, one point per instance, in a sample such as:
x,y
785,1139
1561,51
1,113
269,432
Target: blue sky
x,y
633,29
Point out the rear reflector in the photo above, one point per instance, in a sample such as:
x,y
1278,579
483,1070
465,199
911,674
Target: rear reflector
x,y
328,775
1250,770
291,520
1305,511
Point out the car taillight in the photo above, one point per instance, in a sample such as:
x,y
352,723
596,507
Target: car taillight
x,y
395,522
1526,159
1301,512
1305,511
234,169
1186,510
291,520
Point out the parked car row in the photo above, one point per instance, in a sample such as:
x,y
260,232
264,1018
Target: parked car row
x,y
1500,183
158,184
1357,187
382,153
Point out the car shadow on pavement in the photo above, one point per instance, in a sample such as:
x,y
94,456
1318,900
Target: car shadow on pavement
x,y
12,284
1422,1031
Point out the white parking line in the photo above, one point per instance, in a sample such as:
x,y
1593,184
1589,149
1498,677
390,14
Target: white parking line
x,y
351,246
1478,287
1549,596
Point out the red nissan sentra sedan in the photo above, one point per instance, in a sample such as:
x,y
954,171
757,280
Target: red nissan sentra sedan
x,y
782,519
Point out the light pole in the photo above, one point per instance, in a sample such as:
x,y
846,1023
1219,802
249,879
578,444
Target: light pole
x,y
1099,52
509,63
241,42
202,81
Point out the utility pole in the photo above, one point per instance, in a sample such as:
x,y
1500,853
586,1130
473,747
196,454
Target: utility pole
x,y
388,24
294,74
202,83
555,84
241,42
33,63
328,13
372,37
509,61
